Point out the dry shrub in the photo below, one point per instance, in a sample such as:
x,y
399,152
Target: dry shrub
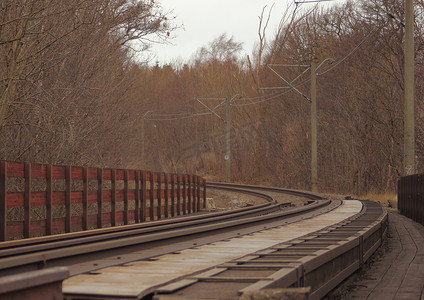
x,y
382,198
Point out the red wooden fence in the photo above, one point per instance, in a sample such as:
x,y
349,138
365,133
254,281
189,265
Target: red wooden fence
x,y
37,200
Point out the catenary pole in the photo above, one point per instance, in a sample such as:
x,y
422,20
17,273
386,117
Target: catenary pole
x,y
314,143
409,117
228,139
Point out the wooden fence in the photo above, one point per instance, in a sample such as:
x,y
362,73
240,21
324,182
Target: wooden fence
x,y
37,199
411,197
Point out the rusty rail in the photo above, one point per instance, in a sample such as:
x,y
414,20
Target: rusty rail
x,y
39,199
411,197
36,285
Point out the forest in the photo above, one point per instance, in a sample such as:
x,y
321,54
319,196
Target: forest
x,y
75,89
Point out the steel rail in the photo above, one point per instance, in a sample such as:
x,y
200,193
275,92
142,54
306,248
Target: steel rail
x,y
229,186
145,227
14,254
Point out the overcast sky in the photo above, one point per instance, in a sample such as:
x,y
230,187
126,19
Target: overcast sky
x,y
205,20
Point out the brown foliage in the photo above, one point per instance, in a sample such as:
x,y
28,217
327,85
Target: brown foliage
x,y
71,94
66,77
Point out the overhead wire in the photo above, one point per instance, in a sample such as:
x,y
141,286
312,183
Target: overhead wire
x,y
338,62
151,113
179,118
262,98
334,65
185,115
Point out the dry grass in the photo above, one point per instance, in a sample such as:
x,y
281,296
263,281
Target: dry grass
x,y
382,198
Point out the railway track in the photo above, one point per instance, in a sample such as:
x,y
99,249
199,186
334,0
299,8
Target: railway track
x,y
319,260
88,251
31,253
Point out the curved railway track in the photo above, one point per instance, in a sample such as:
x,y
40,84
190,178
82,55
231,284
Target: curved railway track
x,y
83,247
31,253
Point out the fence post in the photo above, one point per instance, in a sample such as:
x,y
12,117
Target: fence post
x,y
178,194
113,199
166,195
143,197
49,200
184,194
137,197
204,193
190,190
68,199
85,198
27,201
126,197
159,193
172,195
152,195
3,201
195,207
194,193
99,198
198,193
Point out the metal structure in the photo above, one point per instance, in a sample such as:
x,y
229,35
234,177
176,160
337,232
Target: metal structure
x,y
409,118
227,122
314,130
313,100
228,139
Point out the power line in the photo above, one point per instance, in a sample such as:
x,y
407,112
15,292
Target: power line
x,y
164,117
181,116
351,52
261,99
334,64
210,111
151,116
170,114
266,98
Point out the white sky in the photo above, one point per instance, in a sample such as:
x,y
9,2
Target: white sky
x,y
205,20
